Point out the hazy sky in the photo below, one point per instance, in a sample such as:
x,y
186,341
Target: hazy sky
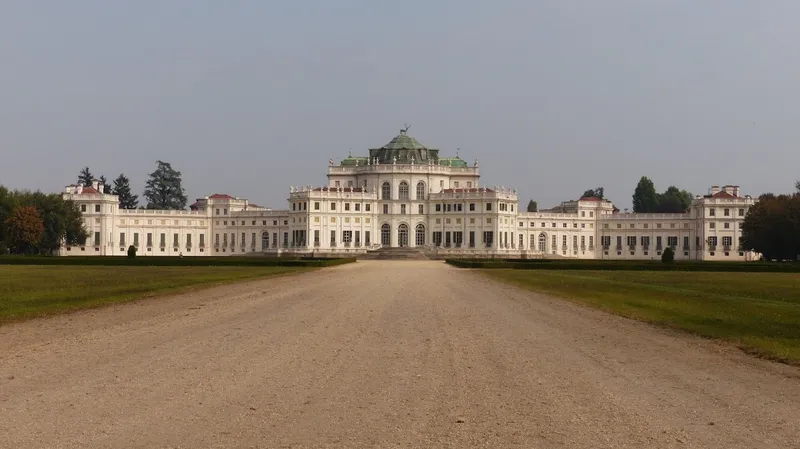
x,y
553,97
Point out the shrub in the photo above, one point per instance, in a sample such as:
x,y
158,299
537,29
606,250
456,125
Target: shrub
x,y
131,251
668,256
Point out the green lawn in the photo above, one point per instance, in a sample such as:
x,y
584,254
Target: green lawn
x,y
27,291
759,312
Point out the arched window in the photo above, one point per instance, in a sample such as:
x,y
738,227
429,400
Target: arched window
x,y
542,242
402,191
420,234
386,234
420,190
402,235
264,240
386,191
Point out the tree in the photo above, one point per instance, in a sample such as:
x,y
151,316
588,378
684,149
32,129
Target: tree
x,y
122,188
23,230
645,198
104,182
674,201
61,218
131,251
533,206
598,193
85,177
163,190
797,186
772,227
668,256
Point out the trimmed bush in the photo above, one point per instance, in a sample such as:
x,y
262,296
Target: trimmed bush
x,y
668,256
131,251
173,261
622,265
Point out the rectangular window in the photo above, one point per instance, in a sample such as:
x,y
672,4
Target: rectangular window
x,y
403,209
188,240
437,238
316,237
358,207
438,208
712,212
686,242
358,238
253,240
488,207
385,208
347,206
202,240
274,239
121,239
619,242
672,242
233,239
97,208
96,239
712,226
224,239
149,239
632,241
347,237
366,238
658,243
333,206
741,212
472,207
712,242
646,242
175,242
242,242
727,242
316,205
472,239
163,240
726,212
333,238
366,207
136,239
591,242
421,209
285,239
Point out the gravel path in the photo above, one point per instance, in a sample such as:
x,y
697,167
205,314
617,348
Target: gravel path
x,y
380,354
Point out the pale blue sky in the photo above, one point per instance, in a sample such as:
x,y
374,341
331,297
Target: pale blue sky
x,y
553,97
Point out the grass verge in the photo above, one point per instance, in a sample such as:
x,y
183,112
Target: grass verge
x,y
28,291
758,312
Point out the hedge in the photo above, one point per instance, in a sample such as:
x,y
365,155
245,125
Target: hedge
x,y
169,261
545,264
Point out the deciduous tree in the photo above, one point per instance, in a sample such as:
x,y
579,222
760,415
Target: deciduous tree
x,y
772,227
597,192
163,190
674,201
645,198
122,188
23,230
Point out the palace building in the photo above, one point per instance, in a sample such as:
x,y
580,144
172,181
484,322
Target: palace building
x,y
405,194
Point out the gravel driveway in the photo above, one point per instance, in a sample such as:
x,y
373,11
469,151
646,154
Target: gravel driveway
x,y
411,354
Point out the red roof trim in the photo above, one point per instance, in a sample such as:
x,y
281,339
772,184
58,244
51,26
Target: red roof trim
x,y
89,191
221,196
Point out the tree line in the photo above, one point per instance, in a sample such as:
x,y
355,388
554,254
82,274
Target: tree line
x,y
163,189
38,223
772,226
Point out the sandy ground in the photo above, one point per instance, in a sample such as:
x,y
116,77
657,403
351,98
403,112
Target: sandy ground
x,y
380,354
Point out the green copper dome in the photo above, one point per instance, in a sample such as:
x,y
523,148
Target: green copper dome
x,y
404,149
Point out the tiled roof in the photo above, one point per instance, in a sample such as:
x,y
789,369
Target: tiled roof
x,y
721,194
221,196
589,198
89,191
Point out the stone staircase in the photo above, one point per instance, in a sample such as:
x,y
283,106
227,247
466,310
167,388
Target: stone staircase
x,y
395,254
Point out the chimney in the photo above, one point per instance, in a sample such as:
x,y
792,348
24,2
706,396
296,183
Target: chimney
x,y
736,191
95,184
714,190
69,189
79,189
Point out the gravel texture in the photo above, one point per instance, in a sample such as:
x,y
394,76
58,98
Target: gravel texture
x,y
411,354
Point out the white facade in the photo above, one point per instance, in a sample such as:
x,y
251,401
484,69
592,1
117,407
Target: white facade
x,y
405,195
